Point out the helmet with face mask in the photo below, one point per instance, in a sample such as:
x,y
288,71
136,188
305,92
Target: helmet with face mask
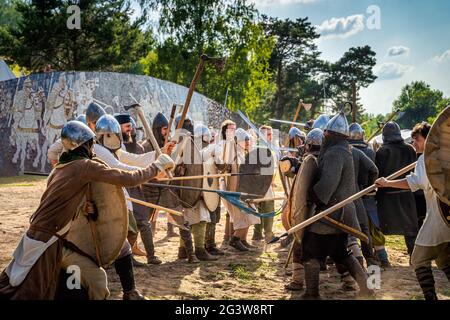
x,y
108,132
74,134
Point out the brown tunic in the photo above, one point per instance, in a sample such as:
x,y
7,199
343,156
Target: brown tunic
x,y
66,187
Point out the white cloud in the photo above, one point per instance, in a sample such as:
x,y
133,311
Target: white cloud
x,y
445,57
341,27
268,3
398,51
391,70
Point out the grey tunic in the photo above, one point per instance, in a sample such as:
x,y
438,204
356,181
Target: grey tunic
x,y
365,172
336,182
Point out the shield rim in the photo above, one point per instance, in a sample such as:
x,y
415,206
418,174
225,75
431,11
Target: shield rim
x,y
290,217
433,145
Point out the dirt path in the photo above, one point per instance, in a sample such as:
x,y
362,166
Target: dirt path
x,y
256,275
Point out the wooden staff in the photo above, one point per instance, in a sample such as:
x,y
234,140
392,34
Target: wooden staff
x,y
341,204
297,112
219,63
215,175
155,206
266,199
380,128
169,126
149,132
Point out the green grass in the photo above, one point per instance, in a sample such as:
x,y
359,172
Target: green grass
x,y
240,272
20,181
396,243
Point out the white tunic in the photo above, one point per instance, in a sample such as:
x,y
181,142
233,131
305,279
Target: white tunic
x,y
434,231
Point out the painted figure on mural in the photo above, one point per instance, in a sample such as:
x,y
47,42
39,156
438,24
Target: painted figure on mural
x,y
84,92
27,120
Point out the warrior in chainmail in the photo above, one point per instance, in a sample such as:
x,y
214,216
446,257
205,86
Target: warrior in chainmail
x,y
335,182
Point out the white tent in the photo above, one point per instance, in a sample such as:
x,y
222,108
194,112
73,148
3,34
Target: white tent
x,y
5,72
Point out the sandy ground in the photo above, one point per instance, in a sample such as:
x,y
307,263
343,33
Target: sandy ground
x,y
256,275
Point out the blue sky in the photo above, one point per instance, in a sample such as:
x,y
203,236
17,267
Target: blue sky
x,y
415,33
413,42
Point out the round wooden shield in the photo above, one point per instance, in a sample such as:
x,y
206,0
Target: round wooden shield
x,y
110,227
259,165
299,210
437,156
188,160
211,199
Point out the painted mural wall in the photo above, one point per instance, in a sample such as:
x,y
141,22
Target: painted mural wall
x,y
33,109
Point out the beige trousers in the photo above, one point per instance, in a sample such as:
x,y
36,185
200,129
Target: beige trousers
x,y
93,278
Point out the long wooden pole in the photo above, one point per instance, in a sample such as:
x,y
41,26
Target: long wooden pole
x,y
198,72
215,175
155,206
266,199
149,132
379,129
169,126
347,201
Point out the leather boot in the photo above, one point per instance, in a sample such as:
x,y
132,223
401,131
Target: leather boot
x,y
210,243
348,283
236,243
297,278
383,258
203,255
133,295
248,245
170,231
124,269
147,240
358,273
312,270
189,248
182,253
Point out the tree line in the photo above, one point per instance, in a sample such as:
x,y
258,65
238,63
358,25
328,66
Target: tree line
x,y
272,63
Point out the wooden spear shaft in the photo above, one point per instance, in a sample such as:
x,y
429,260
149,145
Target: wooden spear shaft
x,y
149,132
266,199
348,200
216,175
155,206
169,126
194,81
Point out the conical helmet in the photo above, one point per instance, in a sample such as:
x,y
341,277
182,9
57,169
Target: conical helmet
x,y
356,132
338,124
94,112
74,134
321,122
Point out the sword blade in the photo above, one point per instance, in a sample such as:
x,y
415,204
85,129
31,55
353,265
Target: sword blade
x,y
270,145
